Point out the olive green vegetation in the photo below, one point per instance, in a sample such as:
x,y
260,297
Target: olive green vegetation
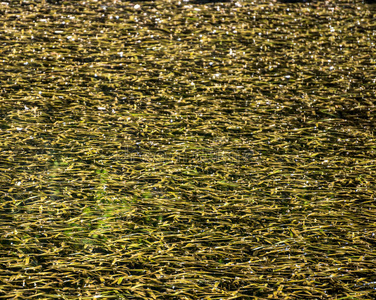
x,y
178,150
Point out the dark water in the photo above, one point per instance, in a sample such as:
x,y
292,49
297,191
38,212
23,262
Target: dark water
x,y
187,150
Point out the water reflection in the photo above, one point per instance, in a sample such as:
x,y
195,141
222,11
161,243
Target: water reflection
x,y
164,146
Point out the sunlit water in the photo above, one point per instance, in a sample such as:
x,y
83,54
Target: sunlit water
x,y
178,149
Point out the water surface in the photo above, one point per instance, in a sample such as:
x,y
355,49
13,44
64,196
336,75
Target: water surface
x,y
186,150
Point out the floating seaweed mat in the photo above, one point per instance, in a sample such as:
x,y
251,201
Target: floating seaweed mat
x,y
187,150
